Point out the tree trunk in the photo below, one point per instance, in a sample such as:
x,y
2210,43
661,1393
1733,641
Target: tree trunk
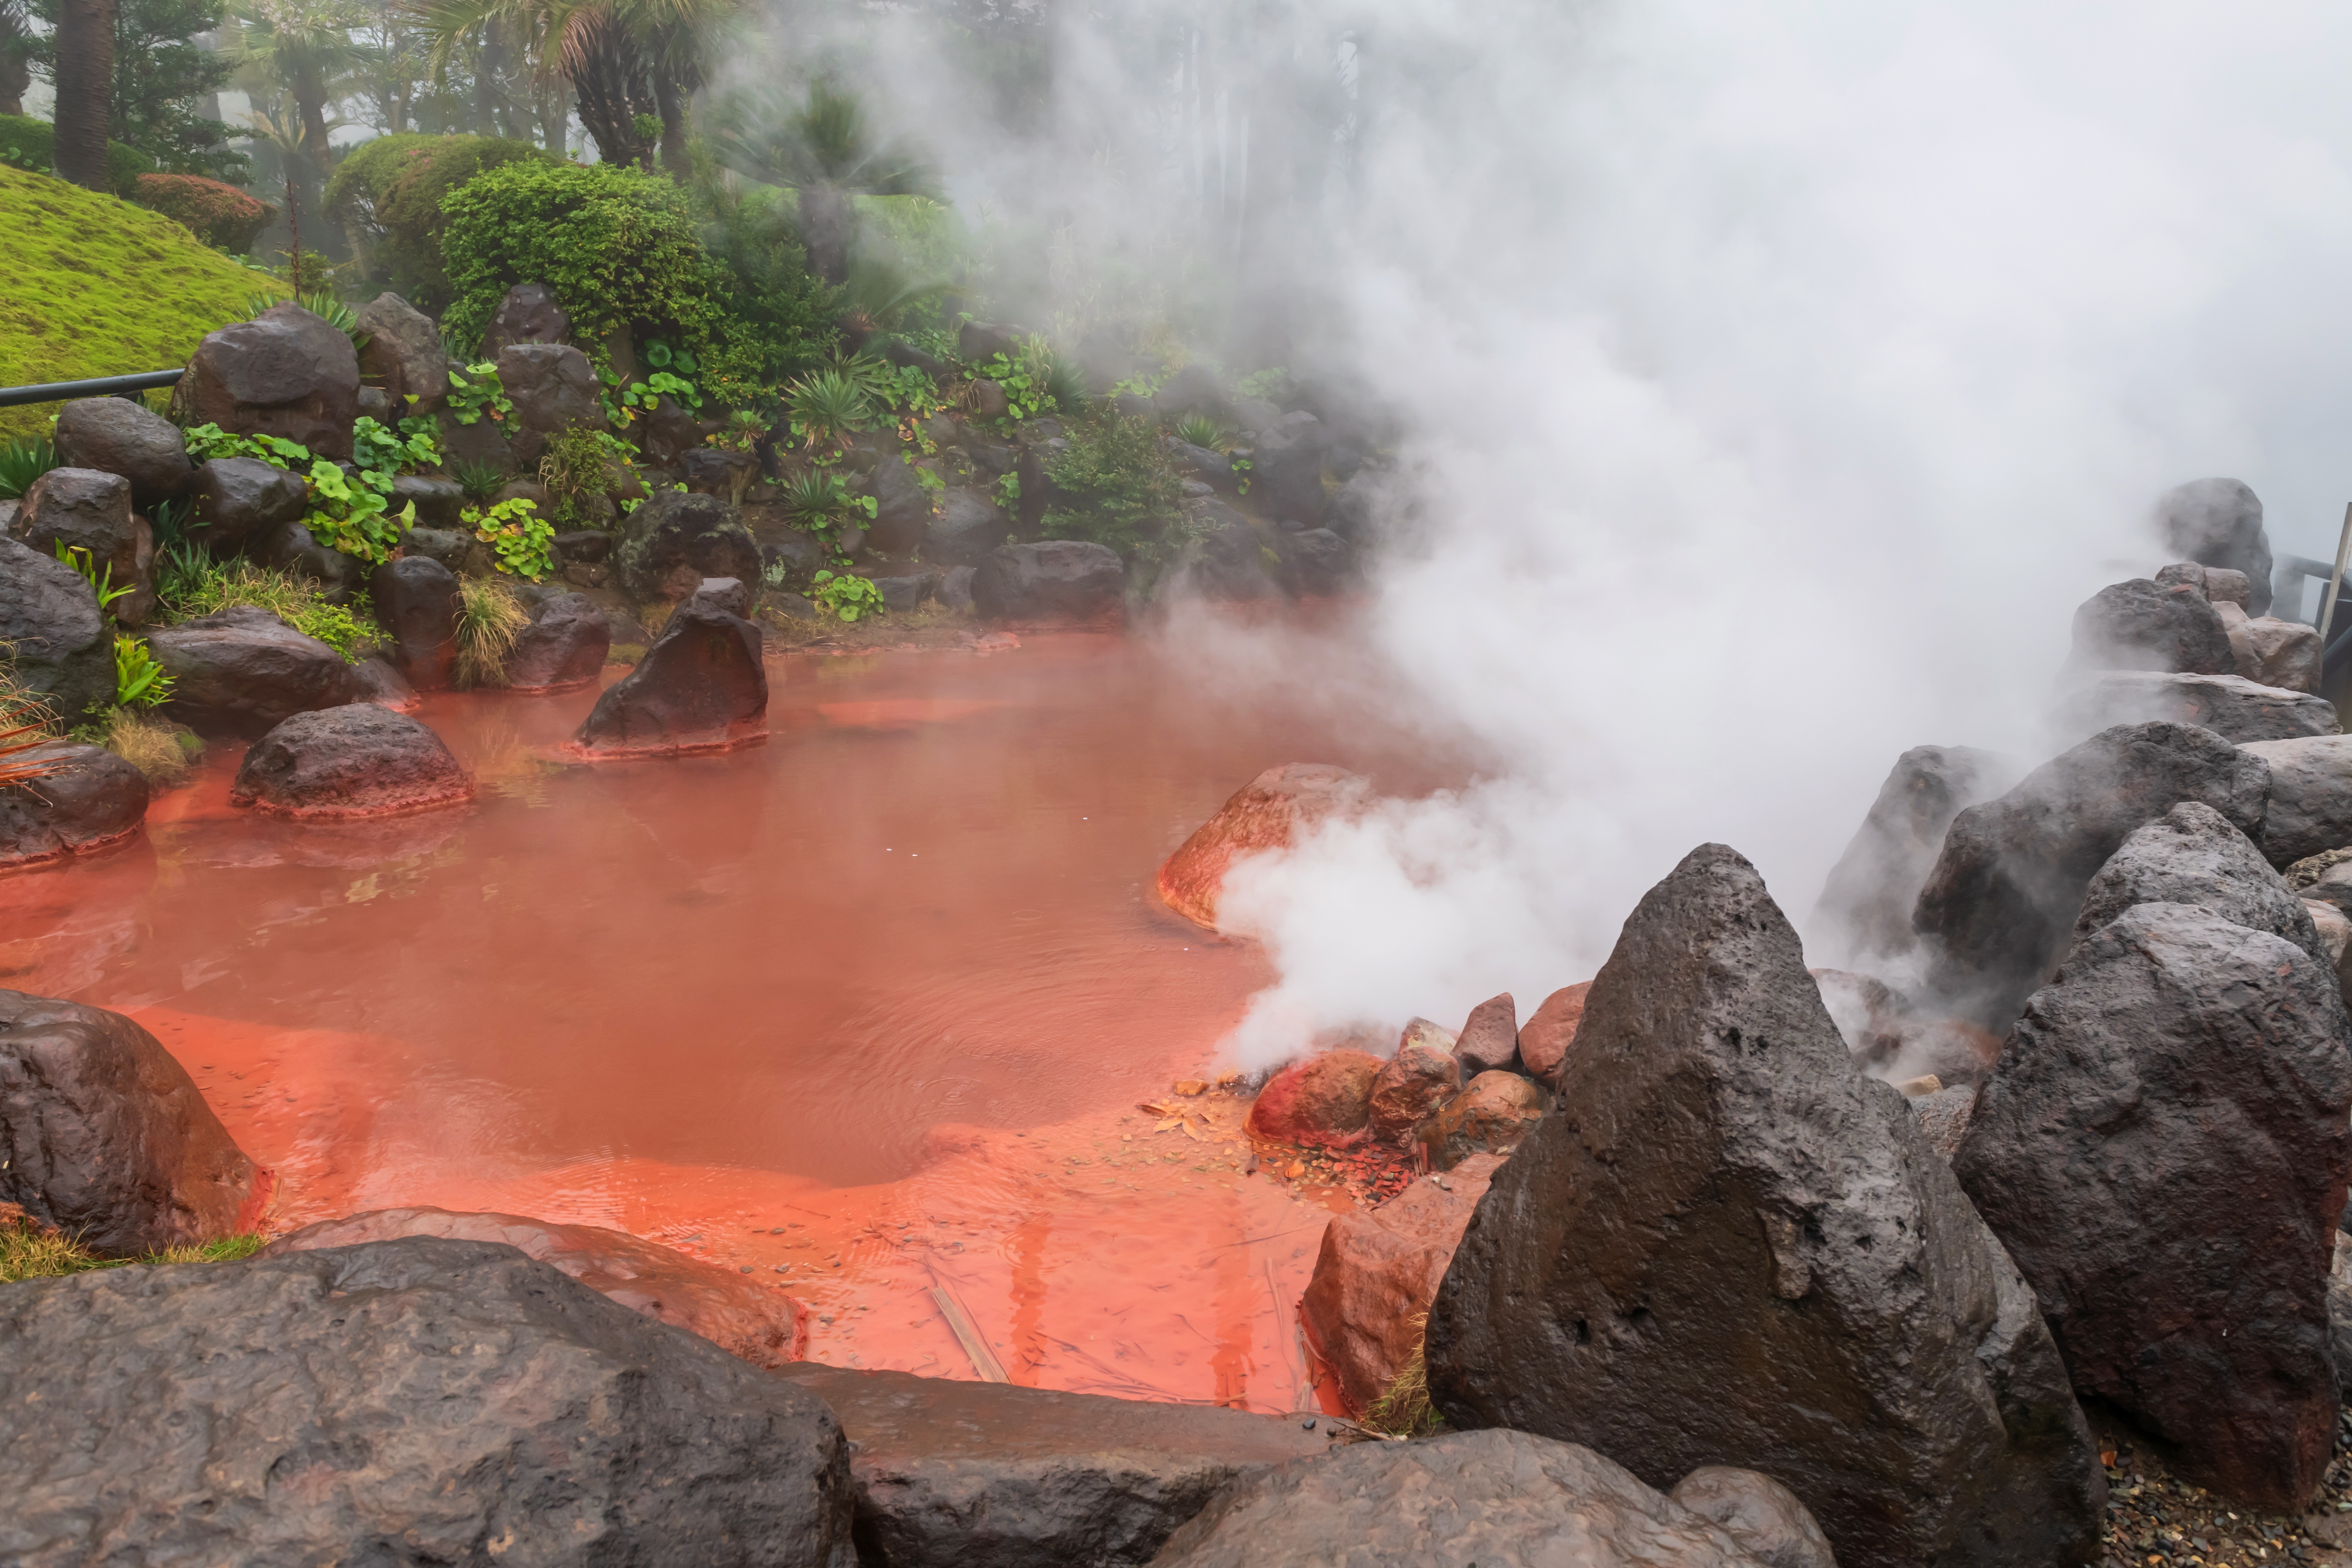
x,y
16,57
827,221
609,80
85,90
671,104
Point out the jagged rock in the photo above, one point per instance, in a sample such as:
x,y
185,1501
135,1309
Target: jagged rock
x,y
745,1319
729,596
1502,1498
965,529
529,314
2005,889
1061,582
110,1141
902,507
1758,1513
416,604
1215,467
584,546
1267,813
1376,1273
555,389
420,1401
565,645
446,545
2327,876
2163,1150
2220,584
671,543
87,509
1867,902
2310,806
1870,1014
2193,855
359,760
402,355
123,437
241,672
1550,1032
700,686
60,647
904,595
1412,1083
2339,1313
1324,1100
2231,706
1421,1032
241,498
1315,561
1489,1040
2219,522
1943,1115
2142,624
1727,1247
285,372
982,1475
2282,654
88,800
1492,1115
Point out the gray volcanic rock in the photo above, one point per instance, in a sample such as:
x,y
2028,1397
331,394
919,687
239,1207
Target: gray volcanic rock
x,y
1758,1513
1057,582
404,356
414,1401
669,544
88,799
123,437
565,644
1467,1500
61,649
417,605
2310,807
555,389
902,507
87,509
982,1475
1727,1247
2163,1149
967,527
2339,1312
296,549
2219,522
238,499
2142,624
699,687
2004,892
2193,855
529,314
1315,561
2272,652
285,372
439,502
2231,706
106,1137
240,673
1489,1040
356,760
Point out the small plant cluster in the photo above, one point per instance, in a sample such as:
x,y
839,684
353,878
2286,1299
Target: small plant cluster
x,y
489,618
350,512
847,597
322,303
207,442
23,459
31,1250
819,501
1119,489
191,584
476,391
523,540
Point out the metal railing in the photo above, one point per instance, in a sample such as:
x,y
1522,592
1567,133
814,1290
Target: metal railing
x,y
99,387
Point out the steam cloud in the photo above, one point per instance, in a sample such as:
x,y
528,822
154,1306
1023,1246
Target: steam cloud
x,y
1776,380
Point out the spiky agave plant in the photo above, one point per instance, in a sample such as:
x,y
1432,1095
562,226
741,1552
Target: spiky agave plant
x,y
24,459
480,481
1200,430
826,406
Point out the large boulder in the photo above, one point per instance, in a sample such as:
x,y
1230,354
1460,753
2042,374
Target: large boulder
x,y
2163,1149
1502,1498
1727,1247
404,356
1314,562
1549,1033
2273,652
675,540
1412,1084
241,498
981,1475
1227,560
2194,855
1489,1040
440,503
110,1141
88,799
1266,814
412,1401
361,760
2232,706
1377,1271
965,528
121,437
565,644
700,686
2219,522
85,509
60,647
416,604
1286,470
757,1322
2310,806
555,389
2144,625
1323,1101
1492,1115
2002,898
285,372
902,507
528,314
240,673
1061,582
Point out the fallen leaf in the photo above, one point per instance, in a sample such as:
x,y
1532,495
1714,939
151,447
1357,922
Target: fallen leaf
x,y
1170,1125
1191,1086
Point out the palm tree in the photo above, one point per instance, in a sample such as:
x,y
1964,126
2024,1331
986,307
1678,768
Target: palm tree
x,y
304,48
15,56
821,148
85,83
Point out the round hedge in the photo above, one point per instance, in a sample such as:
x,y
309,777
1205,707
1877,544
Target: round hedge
x,y
387,195
221,215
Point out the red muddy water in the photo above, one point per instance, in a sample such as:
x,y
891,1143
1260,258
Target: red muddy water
x,y
867,1009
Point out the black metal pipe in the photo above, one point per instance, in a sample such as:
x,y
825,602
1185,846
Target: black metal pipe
x,y
101,387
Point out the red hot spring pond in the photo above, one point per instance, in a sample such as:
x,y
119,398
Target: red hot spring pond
x,y
867,1009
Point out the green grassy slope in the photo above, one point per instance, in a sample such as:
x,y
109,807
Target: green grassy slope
x,y
94,285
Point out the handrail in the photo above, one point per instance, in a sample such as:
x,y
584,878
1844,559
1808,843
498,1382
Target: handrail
x,y
101,386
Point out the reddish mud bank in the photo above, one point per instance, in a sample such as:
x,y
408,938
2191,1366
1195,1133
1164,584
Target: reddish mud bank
x,y
866,1010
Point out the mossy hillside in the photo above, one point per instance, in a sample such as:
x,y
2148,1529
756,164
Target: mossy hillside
x,y
99,287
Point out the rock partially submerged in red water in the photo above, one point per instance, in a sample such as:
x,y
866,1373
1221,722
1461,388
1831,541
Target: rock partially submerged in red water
x,y
88,800
699,688
1266,814
757,1322
1324,1102
109,1139
1546,1040
1376,1272
354,761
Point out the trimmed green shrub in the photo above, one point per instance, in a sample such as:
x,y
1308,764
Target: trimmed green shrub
x,y
387,195
221,215
29,144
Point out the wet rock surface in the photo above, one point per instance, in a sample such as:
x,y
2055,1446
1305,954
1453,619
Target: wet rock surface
x,y
1497,1499
1492,1115
2009,879
417,605
1264,814
404,356
418,1400
2232,706
2163,1150
1871,891
241,672
2194,855
1549,1033
1410,1086
1727,1247
1324,1100
699,687
238,499
104,1136
88,800
124,437
63,647
1489,1040
964,528
2145,624
1062,581
753,1322
669,544
360,759
975,1475
285,372
87,510
565,644
554,388
2310,803
528,314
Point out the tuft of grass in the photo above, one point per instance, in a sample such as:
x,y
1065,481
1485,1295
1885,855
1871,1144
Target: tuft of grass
x,y
1403,1410
489,616
160,750
23,459
1200,430
192,584
31,1250
480,481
